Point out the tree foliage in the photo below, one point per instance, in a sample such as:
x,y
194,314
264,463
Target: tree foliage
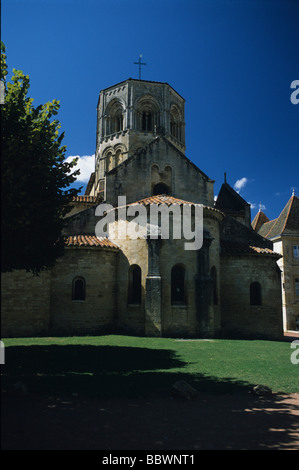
x,y
36,178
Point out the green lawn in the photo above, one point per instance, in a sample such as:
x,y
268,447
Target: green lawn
x,y
115,366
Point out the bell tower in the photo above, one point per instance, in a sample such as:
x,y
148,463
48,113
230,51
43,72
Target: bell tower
x,y
130,115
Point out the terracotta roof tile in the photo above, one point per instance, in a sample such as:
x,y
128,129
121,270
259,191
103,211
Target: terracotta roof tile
x,y
232,247
168,200
89,241
265,251
259,220
161,199
85,199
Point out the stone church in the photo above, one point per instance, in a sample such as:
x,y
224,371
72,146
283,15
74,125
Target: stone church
x,y
230,286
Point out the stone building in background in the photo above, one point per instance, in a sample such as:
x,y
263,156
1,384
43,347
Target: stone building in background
x,y
231,286
284,234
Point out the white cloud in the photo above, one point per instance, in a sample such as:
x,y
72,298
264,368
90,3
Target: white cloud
x,y
259,206
86,166
239,184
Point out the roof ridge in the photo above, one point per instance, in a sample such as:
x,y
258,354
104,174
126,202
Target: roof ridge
x,y
152,142
183,155
280,218
235,193
130,79
165,196
173,200
291,201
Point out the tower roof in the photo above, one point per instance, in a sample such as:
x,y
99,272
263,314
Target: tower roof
x,y
286,224
141,81
259,220
229,201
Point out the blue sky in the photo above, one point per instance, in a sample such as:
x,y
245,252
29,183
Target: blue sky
x,y
232,60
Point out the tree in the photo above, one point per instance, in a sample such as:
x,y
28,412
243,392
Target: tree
x,y
36,180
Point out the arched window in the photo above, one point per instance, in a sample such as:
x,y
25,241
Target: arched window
x,y
178,284
147,121
214,280
109,161
134,287
160,188
114,117
118,157
78,289
147,114
175,123
255,293
117,122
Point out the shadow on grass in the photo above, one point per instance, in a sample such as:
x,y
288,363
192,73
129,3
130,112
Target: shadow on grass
x,y
104,371
43,419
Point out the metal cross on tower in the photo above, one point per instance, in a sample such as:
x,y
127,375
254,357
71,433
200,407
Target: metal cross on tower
x,y
139,63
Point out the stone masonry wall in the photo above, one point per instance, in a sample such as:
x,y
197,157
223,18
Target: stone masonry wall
x,y
25,304
238,316
187,182
290,272
130,317
178,319
97,311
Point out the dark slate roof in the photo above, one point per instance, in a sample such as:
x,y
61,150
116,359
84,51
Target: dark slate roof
x,y
236,248
286,224
235,231
229,201
266,227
